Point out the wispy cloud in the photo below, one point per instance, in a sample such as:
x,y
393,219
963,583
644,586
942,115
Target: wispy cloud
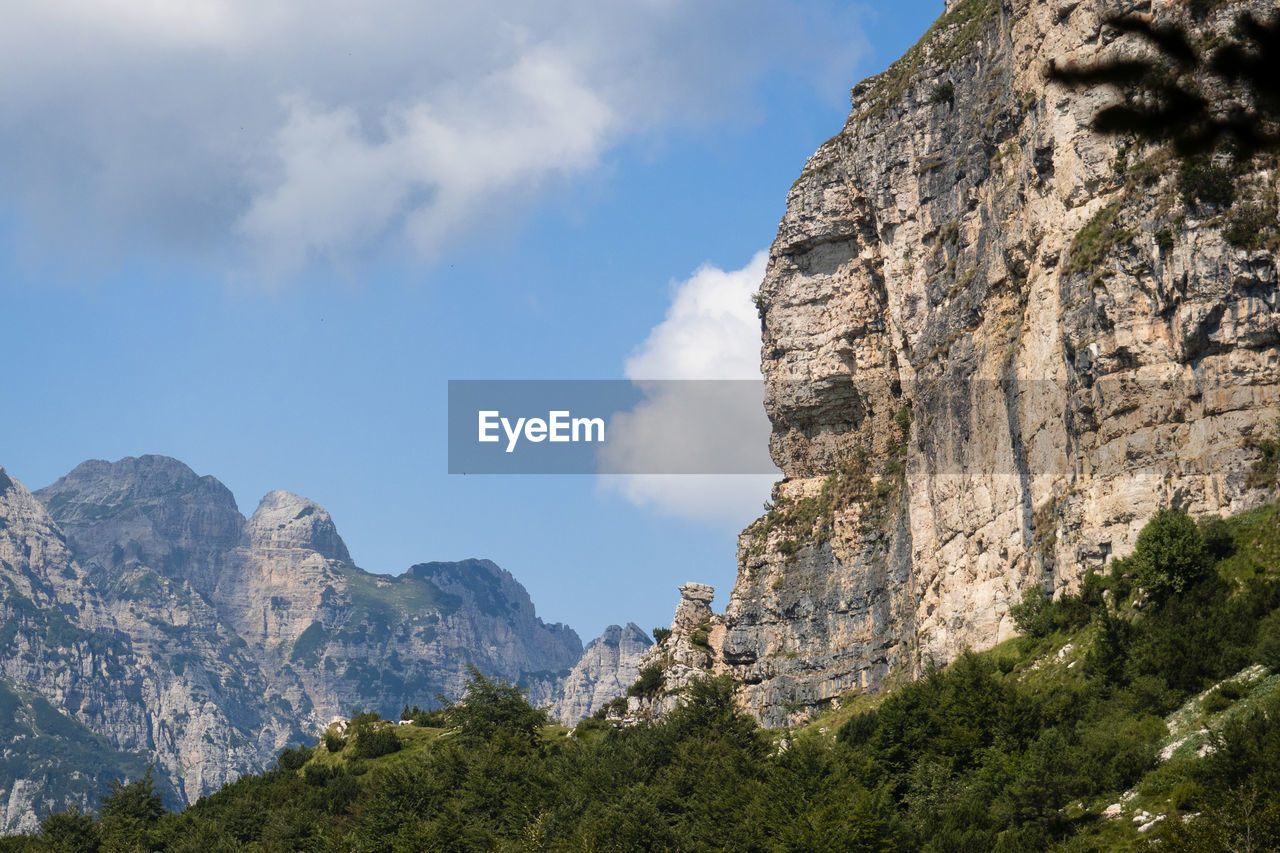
x,y
299,131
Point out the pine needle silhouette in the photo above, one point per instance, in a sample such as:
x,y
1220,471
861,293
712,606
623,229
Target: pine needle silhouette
x,y
1194,99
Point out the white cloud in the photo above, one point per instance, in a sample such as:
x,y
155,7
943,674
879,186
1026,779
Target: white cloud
x,y
308,130
711,331
433,167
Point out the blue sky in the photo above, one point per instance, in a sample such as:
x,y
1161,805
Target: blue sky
x,y
262,242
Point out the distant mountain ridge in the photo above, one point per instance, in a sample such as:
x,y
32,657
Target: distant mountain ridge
x,y
609,665
142,610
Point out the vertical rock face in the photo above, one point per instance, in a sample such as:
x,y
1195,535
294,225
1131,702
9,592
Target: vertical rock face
x,y
608,666
994,344
64,671
141,606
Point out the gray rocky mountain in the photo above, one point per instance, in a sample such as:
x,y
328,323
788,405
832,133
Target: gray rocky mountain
x,y
994,344
145,619
65,672
608,666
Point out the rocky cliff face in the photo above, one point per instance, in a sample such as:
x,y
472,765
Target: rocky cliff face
x,y
994,344
608,666
63,671
140,606
151,540
151,511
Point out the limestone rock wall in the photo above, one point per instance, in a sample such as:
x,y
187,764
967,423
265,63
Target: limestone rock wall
x,y
994,343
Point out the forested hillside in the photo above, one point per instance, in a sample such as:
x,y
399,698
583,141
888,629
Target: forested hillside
x,y
1141,710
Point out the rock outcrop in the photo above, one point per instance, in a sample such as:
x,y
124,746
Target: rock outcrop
x,y
608,666
690,650
141,606
994,344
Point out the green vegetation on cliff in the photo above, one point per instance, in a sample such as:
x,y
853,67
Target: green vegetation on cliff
x,y
65,761
950,37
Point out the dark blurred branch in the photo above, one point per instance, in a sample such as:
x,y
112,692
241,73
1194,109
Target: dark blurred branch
x,y
1165,96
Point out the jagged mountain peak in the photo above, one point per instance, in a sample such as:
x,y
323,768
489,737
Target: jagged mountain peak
x,y
96,484
483,579
616,635
468,564
148,511
30,543
12,492
493,589
608,666
286,520
465,573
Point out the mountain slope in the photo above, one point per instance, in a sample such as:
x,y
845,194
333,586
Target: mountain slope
x,y
51,760
138,601
1116,720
